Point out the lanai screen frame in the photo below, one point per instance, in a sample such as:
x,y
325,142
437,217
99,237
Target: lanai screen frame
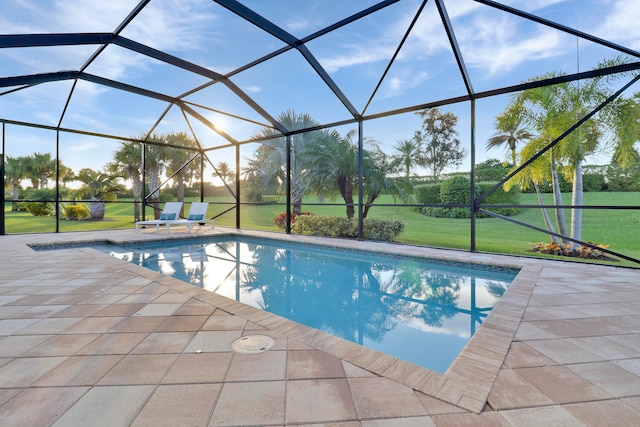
x,y
358,117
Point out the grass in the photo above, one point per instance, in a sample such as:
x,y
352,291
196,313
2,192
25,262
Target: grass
x,y
616,228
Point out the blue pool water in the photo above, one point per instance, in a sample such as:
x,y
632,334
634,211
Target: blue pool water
x,y
421,311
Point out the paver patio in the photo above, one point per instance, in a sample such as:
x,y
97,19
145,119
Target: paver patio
x,y
87,339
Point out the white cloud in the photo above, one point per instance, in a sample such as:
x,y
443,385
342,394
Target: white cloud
x,y
115,62
173,25
164,25
621,24
357,55
36,16
498,47
532,5
298,23
85,146
252,89
402,82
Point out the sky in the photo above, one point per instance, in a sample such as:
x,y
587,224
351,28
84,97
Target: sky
x,y
499,49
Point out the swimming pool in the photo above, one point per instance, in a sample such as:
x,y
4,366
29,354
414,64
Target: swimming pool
x,y
420,310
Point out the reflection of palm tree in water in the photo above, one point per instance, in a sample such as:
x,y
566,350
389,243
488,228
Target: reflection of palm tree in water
x,y
496,289
442,294
421,293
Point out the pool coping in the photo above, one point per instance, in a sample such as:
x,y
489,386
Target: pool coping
x,y
470,378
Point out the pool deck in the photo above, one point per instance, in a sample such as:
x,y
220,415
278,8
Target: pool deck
x,y
90,340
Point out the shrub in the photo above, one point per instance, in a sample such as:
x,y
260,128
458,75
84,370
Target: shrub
x,y
39,208
382,229
565,250
619,179
428,194
270,198
455,190
590,182
36,208
491,170
73,212
332,226
593,182
281,220
501,197
167,197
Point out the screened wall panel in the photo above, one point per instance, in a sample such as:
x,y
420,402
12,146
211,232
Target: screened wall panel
x,y
365,110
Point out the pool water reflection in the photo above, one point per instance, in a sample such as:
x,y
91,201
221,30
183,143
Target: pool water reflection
x,y
420,311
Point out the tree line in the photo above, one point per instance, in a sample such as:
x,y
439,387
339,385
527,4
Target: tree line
x,y
533,128
326,163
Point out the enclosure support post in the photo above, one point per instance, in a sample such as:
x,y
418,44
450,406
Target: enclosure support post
x,y
288,186
2,229
360,181
201,176
57,172
238,225
475,205
144,179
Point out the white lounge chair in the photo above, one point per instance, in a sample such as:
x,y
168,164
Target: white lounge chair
x,y
197,215
170,215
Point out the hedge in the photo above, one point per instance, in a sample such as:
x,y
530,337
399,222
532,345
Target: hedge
x,y
456,190
332,226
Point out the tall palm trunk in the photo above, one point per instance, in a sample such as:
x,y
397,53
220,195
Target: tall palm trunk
x,y
154,188
96,209
577,200
180,192
557,197
346,191
296,196
545,215
137,192
15,191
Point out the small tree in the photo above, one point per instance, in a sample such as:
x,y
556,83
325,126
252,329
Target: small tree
x,y
40,168
15,171
224,171
128,162
439,142
408,151
266,172
99,187
178,161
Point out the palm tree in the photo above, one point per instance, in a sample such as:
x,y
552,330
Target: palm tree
x,y
15,171
178,161
128,162
335,167
510,133
99,187
65,174
224,171
155,159
40,167
554,109
267,171
408,154
535,174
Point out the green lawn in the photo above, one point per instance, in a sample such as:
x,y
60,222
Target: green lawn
x,y
616,228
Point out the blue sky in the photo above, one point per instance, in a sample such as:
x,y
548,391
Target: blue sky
x,y
499,49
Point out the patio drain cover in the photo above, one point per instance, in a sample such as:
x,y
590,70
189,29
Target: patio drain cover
x,y
252,344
